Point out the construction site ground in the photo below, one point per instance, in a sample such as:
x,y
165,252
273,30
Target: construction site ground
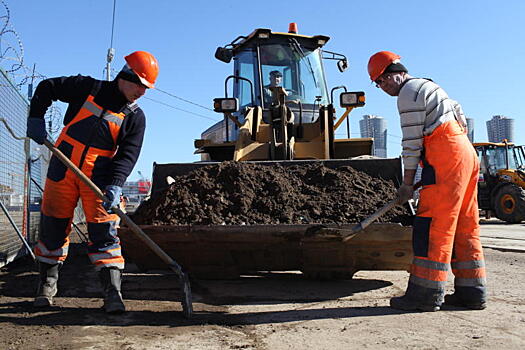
x,y
264,310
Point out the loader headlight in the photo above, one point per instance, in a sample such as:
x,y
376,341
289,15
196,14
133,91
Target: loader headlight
x,y
225,105
352,99
262,33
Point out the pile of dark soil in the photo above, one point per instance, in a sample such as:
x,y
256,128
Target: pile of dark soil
x,y
237,193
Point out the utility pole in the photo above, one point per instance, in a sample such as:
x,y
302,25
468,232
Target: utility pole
x,y
111,50
111,54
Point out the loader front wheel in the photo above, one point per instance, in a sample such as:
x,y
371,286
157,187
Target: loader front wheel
x,y
509,204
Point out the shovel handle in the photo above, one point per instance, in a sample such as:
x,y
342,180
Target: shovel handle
x,y
380,212
366,222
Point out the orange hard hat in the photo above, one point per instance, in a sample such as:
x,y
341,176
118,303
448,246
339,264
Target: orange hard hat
x,y
379,62
145,66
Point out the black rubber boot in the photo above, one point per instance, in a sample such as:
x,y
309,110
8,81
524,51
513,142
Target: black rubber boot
x,y
418,298
455,300
408,304
47,285
111,280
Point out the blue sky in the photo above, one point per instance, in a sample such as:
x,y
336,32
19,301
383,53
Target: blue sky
x,y
474,49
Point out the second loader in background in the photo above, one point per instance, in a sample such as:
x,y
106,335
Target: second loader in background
x,y
501,186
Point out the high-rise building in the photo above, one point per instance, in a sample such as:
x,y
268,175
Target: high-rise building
x,y
375,126
470,128
500,128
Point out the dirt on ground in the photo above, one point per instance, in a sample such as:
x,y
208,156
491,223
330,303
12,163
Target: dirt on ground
x,y
239,193
261,311
264,310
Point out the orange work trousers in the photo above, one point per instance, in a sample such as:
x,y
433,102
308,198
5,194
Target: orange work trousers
x,y
58,206
446,227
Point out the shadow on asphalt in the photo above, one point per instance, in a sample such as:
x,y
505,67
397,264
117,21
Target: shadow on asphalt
x,y
79,297
20,313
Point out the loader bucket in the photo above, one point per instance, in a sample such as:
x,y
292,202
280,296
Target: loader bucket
x,y
229,251
385,168
219,251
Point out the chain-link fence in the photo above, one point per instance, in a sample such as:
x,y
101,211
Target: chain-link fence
x,y
20,161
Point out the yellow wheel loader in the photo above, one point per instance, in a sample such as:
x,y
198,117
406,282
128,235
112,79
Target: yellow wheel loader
x,y
279,111
281,108
501,185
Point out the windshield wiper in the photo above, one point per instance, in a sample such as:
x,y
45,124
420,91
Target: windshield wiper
x,y
298,49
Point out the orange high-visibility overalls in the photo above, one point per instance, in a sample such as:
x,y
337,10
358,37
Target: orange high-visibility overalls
x,y
446,228
90,141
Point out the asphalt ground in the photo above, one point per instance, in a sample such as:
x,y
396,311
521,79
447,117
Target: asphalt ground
x,y
499,235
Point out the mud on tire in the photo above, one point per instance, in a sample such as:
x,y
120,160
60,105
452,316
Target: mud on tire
x,y
509,204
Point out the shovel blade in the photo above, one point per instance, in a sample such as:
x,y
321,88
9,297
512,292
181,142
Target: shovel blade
x,y
187,302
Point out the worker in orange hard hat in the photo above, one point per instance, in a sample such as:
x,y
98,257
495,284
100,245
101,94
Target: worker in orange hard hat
x,y
141,65
102,135
446,228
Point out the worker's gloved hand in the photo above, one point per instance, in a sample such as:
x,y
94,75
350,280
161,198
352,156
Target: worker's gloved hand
x,y
36,129
404,193
113,194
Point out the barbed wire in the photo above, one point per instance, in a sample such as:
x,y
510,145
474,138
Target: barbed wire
x,y
11,48
12,52
5,19
12,62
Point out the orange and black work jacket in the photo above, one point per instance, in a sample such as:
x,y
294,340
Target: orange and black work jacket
x,y
122,143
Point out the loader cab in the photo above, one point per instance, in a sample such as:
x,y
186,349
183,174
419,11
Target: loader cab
x,y
298,58
500,160
292,117
300,66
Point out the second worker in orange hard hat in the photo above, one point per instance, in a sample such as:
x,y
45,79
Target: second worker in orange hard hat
x,y
446,226
102,135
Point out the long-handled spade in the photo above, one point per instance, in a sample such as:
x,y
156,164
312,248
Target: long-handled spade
x,y
348,234
187,307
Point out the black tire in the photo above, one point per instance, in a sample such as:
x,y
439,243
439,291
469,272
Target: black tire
x,y
509,204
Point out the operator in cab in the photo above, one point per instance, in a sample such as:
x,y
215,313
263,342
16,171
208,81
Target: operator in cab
x,y
276,80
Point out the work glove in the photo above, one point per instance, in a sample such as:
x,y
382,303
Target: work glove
x,y
404,193
113,194
36,129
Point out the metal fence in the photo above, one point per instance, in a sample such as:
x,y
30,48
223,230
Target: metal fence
x,y
20,160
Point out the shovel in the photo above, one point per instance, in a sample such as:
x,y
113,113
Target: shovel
x,y
347,235
187,306
366,222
